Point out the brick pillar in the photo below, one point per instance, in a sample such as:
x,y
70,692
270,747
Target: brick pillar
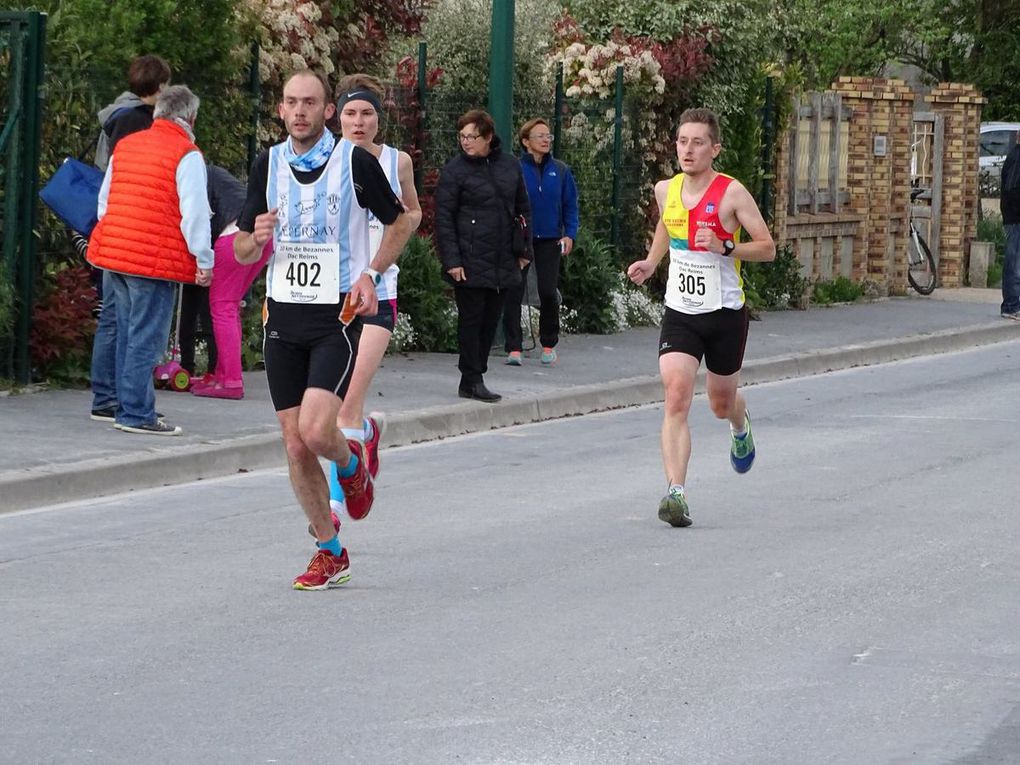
x,y
879,185
960,106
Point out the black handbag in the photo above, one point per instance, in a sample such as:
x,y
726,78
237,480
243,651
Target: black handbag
x,y
520,241
521,237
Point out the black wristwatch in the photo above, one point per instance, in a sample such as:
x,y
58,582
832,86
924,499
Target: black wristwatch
x,y
728,246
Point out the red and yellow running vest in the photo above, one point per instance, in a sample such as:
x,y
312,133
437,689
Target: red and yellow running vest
x,y
699,281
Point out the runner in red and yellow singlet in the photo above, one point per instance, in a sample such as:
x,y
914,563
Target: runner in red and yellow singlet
x,y
701,215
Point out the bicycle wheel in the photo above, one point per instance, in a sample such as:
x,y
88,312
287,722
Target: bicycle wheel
x,y
921,271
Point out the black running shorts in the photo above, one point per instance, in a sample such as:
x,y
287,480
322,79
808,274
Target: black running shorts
x,y
306,346
385,317
719,337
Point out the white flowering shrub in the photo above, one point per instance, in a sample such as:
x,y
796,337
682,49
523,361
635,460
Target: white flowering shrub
x,y
403,337
590,70
295,34
634,307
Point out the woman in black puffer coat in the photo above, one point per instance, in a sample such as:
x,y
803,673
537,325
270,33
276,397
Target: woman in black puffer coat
x,y
481,192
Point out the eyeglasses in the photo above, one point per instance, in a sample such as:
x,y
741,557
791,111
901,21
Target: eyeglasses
x,y
541,137
467,137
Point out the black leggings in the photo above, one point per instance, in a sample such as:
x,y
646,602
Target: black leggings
x,y
547,269
195,308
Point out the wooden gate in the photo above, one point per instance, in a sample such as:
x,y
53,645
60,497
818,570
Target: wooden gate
x,y
926,151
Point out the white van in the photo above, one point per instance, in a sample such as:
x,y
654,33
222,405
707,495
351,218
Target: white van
x,y
997,138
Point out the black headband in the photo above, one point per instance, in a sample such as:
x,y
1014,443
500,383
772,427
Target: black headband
x,y
359,95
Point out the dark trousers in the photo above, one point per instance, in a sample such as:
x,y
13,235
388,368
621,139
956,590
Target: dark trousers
x,y
547,269
478,312
195,310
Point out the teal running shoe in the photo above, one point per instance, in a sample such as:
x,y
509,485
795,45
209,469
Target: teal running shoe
x,y
673,509
742,449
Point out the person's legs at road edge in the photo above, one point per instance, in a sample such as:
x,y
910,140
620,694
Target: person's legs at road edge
x,y
104,357
547,269
1011,273
512,333
144,311
493,309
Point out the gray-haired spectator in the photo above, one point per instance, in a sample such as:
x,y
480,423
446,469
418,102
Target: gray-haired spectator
x,y
153,227
130,112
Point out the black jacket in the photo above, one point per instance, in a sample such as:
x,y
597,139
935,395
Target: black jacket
x,y
474,223
226,198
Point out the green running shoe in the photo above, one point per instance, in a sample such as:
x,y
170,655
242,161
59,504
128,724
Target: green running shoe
x,y
742,449
673,509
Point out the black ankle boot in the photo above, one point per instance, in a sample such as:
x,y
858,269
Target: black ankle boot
x,y
478,392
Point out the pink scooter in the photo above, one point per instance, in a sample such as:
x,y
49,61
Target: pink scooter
x,y
171,374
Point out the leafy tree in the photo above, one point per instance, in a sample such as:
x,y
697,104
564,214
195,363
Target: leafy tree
x,y
975,41
459,35
741,39
91,44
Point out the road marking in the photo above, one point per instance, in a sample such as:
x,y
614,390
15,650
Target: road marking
x,y
923,417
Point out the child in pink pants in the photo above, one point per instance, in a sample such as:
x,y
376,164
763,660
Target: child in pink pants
x,y
231,281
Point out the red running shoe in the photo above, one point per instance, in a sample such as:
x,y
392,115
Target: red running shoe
x,y
359,491
325,570
333,517
378,424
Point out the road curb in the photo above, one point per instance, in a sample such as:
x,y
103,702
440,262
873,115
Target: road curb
x,y
37,487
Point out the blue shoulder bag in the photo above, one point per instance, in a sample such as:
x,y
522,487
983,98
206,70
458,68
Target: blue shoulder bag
x,y
72,193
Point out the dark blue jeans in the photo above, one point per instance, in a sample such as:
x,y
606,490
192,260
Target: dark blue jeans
x,y
104,350
1011,270
144,310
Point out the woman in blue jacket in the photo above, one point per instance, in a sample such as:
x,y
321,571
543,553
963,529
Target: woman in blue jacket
x,y
553,196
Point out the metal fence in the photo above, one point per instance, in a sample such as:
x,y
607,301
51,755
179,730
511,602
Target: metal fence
x,y
594,137
22,44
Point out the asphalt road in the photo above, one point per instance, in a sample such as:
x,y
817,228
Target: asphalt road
x,y
515,600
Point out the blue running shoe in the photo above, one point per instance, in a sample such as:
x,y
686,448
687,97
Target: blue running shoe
x,y
742,449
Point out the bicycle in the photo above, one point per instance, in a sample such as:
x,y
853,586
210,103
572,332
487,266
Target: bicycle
x,y
921,271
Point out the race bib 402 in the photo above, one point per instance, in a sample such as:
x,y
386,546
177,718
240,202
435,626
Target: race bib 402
x,y
305,273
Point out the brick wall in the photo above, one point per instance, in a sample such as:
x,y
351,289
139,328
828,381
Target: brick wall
x,y
866,237
960,107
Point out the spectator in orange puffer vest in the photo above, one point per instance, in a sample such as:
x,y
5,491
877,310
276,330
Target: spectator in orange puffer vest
x,y
153,231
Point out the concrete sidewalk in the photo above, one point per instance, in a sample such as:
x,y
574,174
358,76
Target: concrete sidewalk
x,y
52,452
